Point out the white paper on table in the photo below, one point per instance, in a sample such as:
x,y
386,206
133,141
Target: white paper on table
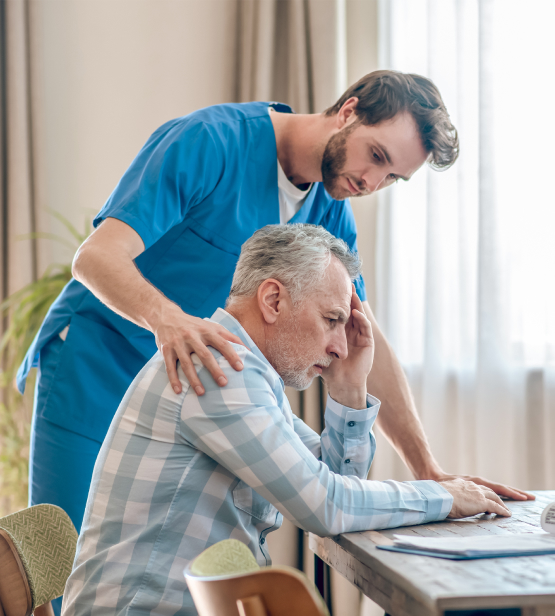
x,y
478,545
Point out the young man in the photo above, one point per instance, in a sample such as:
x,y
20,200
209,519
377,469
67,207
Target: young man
x,y
179,472
165,247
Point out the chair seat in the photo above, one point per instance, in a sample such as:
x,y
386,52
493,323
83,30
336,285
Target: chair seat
x,y
225,580
37,548
283,591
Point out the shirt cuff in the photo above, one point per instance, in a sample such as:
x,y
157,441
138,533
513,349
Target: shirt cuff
x,y
439,500
353,422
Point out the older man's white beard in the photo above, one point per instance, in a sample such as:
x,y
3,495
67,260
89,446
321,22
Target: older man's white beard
x,y
286,355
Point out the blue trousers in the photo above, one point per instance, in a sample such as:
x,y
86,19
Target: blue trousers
x,y
61,461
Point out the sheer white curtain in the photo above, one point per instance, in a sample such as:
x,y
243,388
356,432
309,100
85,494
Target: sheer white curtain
x,y
466,258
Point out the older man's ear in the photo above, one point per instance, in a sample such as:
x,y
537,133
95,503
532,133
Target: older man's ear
x,y
273,300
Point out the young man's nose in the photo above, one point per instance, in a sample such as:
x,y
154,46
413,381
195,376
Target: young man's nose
x,y
374,180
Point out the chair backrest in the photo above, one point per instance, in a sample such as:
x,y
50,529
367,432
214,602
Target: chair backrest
x,y
225,580
37,549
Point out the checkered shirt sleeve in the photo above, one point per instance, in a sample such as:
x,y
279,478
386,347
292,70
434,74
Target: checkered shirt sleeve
x,y
244,428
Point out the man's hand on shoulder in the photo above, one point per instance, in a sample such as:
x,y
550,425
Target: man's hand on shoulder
x,y
346,378
178,335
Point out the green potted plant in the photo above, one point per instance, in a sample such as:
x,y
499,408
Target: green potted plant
x,y
24,312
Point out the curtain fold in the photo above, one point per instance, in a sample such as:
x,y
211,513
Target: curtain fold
x,y
292,51
19,258
464,256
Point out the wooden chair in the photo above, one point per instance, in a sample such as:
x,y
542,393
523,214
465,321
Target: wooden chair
x,y
225,580
37,548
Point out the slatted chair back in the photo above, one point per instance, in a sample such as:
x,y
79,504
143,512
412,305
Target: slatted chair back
x,y
37,549
225,580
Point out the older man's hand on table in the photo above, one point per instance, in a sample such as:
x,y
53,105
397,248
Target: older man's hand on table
x,y
499,488
471,499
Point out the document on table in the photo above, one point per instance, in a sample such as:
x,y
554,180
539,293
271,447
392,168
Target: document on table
x,y
482,546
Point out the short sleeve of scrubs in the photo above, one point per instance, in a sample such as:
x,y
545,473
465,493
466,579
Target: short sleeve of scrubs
x,y
341,222
178,167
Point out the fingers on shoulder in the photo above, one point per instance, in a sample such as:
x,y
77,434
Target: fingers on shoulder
x,y
255,370
239,351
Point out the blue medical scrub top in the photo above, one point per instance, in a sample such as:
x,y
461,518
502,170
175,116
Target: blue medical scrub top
x,y
198,189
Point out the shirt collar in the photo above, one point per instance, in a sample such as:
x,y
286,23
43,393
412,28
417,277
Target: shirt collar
x,y
222,317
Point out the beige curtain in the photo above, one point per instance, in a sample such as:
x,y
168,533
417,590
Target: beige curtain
x,y
294,52
19,259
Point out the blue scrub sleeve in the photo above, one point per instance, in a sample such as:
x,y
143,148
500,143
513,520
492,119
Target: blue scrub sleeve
x,y
178,167
341,222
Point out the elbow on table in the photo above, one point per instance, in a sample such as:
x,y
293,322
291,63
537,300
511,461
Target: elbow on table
x,y
328,525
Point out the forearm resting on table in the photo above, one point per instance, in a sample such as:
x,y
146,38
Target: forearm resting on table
x,y
398,419
104,264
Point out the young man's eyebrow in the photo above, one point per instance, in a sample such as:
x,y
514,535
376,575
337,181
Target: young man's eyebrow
x,y
388,158
385,152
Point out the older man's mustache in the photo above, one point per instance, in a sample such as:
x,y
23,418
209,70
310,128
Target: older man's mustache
x,y
324,363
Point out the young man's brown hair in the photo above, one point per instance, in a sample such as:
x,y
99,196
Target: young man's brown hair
x,y
383,94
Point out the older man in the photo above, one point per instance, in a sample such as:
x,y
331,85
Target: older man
x,y
179,472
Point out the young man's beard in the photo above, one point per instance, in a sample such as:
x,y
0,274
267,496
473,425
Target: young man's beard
x,y
285,353
333,161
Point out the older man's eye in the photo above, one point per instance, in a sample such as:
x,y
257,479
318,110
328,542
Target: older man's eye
x,y
332,322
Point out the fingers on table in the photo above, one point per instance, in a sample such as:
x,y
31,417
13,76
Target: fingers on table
x,y
516,494
495,504
504,490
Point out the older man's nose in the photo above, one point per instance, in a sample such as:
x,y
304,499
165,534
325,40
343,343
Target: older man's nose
x,y
338,347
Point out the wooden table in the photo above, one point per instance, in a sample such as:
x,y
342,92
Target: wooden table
x,y
410,585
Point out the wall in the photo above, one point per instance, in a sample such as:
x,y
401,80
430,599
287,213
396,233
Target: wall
x,y
109,73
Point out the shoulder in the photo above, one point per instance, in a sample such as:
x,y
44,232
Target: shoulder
x,y
338,217
231,112
257,374
216,119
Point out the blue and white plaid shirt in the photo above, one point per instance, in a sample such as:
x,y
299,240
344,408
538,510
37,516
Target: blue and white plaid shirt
x,y
178,473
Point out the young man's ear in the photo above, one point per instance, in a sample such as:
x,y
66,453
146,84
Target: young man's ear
x,y
272,297
347,113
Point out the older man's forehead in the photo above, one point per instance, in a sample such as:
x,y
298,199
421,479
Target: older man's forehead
x,y
336,290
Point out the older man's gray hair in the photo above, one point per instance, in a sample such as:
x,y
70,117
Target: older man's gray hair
x,y
297,255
